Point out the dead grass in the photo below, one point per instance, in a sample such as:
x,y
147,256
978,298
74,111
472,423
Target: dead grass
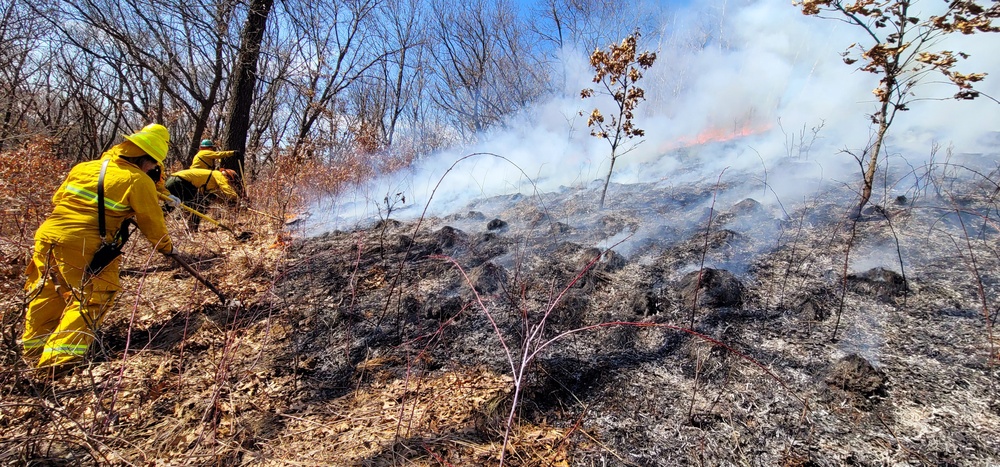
x,y
176,378
423,419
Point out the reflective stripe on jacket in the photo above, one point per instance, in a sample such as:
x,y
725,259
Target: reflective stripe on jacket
x,y
128,192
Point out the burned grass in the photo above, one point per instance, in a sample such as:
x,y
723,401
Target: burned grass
x,y
665,332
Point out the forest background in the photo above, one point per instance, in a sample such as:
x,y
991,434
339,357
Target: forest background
x,y
369,83
362,88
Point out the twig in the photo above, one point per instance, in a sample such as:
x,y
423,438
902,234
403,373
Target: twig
x,y
704,250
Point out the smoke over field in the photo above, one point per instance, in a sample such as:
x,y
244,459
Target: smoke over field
x,y
766,97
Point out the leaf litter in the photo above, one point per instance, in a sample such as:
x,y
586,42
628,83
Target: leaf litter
x,y
710,339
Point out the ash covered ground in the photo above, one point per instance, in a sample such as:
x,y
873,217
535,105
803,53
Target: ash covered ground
x,y
680,325
675,328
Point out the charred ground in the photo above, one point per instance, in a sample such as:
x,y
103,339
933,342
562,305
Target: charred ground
x,y
675,327
723,334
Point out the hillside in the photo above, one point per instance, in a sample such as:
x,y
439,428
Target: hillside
x,y
675,327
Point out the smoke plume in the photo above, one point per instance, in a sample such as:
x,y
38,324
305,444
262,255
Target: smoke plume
x,y
757,90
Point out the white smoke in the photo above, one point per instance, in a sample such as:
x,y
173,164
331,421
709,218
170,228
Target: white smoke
x,y
766,66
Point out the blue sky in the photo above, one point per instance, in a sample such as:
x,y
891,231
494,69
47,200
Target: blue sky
x,y
664,3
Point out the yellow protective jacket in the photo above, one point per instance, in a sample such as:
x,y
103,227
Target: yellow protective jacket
x,y
129,149
128,192
208,181
205,159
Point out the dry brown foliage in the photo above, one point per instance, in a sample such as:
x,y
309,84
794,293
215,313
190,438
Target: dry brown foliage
x,y
28,177
292,183
177,378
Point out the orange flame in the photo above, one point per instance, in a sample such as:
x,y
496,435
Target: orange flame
x,y
283,240
714,135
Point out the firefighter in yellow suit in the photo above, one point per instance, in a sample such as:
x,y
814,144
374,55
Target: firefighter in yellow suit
x,y
196,187
67,303
207,155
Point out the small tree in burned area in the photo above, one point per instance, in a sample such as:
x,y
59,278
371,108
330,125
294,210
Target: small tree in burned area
x,y
618,69
900,46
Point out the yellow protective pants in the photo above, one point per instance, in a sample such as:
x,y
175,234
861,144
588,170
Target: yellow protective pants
x,y
66,304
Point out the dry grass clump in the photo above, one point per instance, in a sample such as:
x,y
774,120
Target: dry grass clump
x,y
431,419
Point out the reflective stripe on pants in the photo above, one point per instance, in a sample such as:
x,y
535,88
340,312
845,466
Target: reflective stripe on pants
x,y
66,305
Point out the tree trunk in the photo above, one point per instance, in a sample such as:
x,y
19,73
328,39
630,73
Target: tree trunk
x,y
245,79
869,176
607,180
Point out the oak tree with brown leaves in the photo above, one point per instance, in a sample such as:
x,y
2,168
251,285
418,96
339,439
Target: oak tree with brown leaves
x,y
901,48
617,71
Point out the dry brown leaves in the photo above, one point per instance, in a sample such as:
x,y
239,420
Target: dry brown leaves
x,y
426,419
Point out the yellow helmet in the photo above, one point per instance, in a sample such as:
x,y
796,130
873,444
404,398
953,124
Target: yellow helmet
x,y
153,139
158,129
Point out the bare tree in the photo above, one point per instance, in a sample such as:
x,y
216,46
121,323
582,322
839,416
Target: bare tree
x,y
270,123
170,58
335,73
403,34
88,117
50,89
899,49
480,58
589,24
333,53
21,35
